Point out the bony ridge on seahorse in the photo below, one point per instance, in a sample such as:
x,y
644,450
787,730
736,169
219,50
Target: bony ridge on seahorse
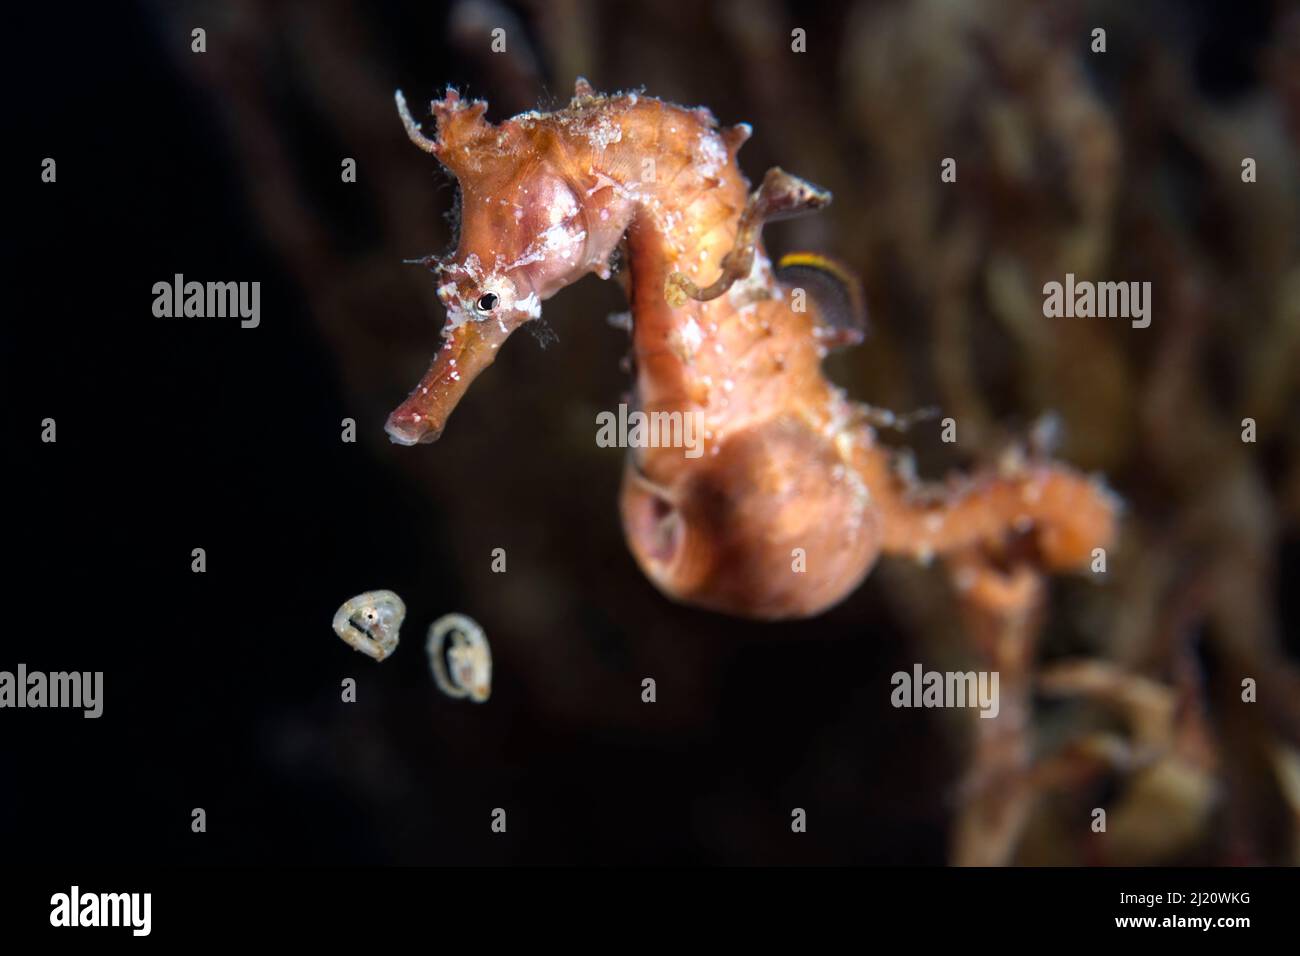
x,y
793,500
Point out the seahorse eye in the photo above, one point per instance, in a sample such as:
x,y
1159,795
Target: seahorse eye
x,y
486,303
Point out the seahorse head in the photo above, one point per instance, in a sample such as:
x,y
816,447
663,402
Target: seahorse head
x,y
529,225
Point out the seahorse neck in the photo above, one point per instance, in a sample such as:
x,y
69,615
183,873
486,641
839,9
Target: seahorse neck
x,y
685,218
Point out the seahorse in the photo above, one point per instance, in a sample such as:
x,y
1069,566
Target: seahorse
x,y
794,498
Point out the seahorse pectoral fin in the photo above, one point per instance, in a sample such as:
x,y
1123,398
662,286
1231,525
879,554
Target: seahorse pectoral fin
x,y
466,351
841,308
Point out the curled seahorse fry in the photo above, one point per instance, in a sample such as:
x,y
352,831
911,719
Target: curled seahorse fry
x,y
461,666
371,623
791,465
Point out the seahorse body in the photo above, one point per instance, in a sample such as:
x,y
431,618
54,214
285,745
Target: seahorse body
x,y
792,500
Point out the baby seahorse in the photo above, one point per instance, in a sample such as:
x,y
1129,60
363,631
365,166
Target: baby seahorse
x,y
793,499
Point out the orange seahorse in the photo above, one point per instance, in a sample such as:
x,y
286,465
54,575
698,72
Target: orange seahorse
x,y
793,499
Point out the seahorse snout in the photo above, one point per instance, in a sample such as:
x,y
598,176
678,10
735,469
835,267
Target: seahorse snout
x,y
469,346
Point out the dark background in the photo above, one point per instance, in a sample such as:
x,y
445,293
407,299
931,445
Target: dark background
x,y
222,689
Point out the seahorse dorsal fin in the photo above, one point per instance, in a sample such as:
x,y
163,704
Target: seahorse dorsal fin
x,y
841,307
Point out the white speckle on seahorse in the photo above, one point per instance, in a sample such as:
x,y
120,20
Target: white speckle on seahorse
x,y
530,305
563,207
710,154
687,338
757,285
